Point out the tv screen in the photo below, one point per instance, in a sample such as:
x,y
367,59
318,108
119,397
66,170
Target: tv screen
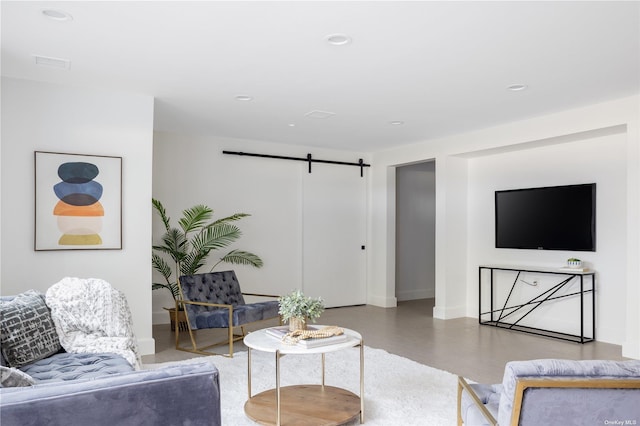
x,y
549,218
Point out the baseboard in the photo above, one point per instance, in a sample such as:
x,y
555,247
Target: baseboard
x,y
631,349
444,312
147,346
416,294
383,302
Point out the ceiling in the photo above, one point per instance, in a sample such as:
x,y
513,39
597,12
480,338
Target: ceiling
x,y
437,68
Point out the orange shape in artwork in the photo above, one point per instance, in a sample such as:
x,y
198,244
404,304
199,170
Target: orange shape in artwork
x,y
64,209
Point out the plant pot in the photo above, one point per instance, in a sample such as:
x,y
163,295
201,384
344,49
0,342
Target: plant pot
x,y
297,324
181,319
574,263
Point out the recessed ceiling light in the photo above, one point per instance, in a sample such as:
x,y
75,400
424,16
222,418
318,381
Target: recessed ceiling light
x,y
244,98
396,123
338,39
517,87
57,14
292,125
319,115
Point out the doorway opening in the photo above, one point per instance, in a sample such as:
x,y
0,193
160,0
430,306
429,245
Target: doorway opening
x,y
415,231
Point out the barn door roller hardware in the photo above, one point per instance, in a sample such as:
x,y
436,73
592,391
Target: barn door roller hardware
x,y
308,159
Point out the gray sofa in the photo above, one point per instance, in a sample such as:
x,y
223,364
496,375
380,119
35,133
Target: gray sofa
x,y
555,392
42,384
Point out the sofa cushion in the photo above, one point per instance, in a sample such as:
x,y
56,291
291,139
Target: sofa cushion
x,y
185,394
12,377
242,314
27,331
70,366
213,287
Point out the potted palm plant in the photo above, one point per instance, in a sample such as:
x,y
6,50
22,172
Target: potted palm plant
x,y
184,250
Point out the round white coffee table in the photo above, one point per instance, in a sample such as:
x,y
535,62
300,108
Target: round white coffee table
x,y
305,403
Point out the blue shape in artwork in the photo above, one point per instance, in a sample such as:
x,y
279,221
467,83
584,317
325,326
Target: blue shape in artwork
x,y
78,194
79,200
77,172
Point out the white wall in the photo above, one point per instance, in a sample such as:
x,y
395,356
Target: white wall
x,y
631,346
599,159
192,170
38,116
415,231
582,138
45,117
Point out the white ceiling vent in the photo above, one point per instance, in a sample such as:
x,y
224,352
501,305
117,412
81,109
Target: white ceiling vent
x,y
45,61
320,115
57,15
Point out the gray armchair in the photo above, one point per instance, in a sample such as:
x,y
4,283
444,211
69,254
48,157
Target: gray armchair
x,y
554,392
214,300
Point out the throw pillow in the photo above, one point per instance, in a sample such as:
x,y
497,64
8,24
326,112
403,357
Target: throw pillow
x,y
27,331
12,377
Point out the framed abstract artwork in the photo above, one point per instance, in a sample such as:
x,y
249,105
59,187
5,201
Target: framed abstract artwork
x,y
78,202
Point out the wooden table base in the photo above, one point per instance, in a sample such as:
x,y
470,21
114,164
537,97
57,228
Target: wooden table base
x,y
304,405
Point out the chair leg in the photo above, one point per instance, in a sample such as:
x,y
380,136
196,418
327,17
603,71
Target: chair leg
x,y
230,332
459,403
193,339
229,340
177,333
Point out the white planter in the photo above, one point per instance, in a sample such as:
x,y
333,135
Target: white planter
x,y
574,263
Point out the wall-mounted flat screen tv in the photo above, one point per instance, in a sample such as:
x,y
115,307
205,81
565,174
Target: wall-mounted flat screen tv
x,y
549,218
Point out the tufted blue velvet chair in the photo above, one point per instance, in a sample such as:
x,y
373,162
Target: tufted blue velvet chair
x,y
214,300
554,392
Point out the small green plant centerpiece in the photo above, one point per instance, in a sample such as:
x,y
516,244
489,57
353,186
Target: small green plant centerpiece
x,y
298,309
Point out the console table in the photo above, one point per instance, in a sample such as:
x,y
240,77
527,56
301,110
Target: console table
x,y
511,313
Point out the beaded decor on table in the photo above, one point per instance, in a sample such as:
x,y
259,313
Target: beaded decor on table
x,y
292,337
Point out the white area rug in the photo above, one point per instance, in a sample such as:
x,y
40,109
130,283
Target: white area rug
x,y
397,391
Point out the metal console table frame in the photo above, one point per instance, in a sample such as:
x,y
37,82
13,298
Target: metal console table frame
x,y
498,315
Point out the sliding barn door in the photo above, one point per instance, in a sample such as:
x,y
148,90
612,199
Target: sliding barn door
x,y
334,233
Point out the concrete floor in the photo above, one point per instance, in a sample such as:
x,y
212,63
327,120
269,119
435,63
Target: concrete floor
x,y
460,346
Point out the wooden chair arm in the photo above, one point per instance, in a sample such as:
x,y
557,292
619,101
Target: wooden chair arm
x,y
259,295
217,305
462,384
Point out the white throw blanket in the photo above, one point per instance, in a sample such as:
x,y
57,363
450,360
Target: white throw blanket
x,y
92,317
